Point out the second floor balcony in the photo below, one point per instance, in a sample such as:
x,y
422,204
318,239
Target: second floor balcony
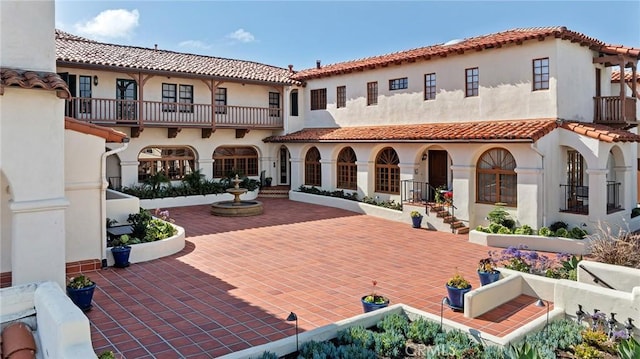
x,y
614,111
136,113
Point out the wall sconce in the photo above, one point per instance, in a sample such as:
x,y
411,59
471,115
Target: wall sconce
x,y
293,317
95,80
424,156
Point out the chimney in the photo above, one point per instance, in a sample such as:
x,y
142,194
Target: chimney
x,y
290,68
317,64
156,46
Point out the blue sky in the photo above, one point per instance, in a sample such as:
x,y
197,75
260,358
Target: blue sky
x,y
301,32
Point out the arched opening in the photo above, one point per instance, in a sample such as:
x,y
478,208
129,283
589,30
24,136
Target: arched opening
x,y
387,171
575,191
312,169
347,170
172,162
231,160
496,180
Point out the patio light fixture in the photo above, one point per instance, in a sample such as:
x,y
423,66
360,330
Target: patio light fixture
x,y
293,317
424,156
95,80
541,303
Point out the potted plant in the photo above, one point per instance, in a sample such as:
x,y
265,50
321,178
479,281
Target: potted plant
x,y
416,218
80,289
487,271
374,301
268,181
457,286
121,251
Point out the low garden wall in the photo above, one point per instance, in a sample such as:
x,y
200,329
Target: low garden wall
x,y
353,206
120,205
621,278
532,242
169,202
147,251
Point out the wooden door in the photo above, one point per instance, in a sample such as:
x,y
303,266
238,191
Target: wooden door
x,y
438,169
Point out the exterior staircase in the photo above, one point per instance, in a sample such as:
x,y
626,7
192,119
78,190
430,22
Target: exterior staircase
x,y
443,211
274,192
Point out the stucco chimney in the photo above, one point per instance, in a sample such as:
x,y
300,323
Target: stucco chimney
x,y
317,64
290,68
156,47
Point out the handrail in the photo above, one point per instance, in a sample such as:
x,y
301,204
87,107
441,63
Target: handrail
x,y
596,279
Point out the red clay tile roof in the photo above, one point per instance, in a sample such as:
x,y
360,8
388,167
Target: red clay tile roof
x,y
496,40
493,131
601,132
615,76
109,134
33,79
71,49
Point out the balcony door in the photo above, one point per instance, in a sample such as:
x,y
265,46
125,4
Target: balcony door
x,y
126,96
283,158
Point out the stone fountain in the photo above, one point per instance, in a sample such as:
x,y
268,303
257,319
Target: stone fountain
x,y
237,207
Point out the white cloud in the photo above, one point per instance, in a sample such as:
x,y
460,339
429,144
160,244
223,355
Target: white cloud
x,y
115,23
195,44
242,36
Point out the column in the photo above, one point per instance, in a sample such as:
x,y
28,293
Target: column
x,y
530,194
597,193
365,180
464,192
408,172
327,171
297,173
129,172
205,165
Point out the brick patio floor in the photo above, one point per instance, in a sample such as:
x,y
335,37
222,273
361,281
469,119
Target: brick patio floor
x,y
238,278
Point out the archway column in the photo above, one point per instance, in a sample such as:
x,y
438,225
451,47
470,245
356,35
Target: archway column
x,y
530,196
365,180
627,191
328,176
464,191
297,172
129,172
597,193
205,165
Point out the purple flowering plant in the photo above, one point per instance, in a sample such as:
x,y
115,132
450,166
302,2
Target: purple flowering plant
x,y
522,260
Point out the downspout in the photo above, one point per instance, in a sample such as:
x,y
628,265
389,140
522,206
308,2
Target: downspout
x,y
103,198
544,209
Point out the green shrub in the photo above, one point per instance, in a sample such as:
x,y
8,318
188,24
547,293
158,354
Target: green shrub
x,y
545,231
524,230
352,351
358,336
394,322
504,230
561,334
577,233
585,351
158,229
107,354
423,331
268,355
629,349
493,352
139,221
557,225
318,350
494,227
562,232
390,344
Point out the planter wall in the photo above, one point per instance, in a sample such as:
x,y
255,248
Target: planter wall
x,y
538,243
120,205
169,202
353,206
152,250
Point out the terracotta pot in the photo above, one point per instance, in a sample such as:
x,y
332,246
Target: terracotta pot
x,y
18,342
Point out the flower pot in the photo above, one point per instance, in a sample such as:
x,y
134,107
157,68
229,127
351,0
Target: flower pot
x,y
121,256
368,307
267,181
488,277
456,297
417,221
82,297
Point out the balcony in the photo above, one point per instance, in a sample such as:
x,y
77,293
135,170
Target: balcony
x,y
612,111
134,113
576,199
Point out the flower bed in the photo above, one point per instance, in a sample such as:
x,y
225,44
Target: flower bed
x,y
534,242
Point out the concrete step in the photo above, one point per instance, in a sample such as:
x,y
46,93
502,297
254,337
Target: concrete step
x,y
462,230
274,192
443,214
449,219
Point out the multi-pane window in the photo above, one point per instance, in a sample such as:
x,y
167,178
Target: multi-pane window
x,y
312,173
472,81
347,169
387,171
186,98
341,96
221,100
85,94
169,96
231,160
541,74
173,162
430,86
294,102
372,93
496,177
398,84
319,99
575,168
274,104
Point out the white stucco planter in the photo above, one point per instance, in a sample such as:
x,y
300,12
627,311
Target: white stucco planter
x,y
183,201
353,206
143,252
538,243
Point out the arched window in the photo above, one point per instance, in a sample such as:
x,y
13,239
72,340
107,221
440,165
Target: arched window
x,y
387,171
496,177
347,169
173,162
312,174
241,160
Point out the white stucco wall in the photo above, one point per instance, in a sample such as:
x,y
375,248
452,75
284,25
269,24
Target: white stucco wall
x,y
83,188
505,80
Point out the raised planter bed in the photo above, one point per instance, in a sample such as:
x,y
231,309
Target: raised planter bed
x,y
147,251
533,242
353,206
169,202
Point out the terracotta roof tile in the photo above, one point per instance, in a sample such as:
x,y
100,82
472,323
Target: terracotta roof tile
x,y
109,134
601,132
77,50
495,131
33,79
615,76
496,40
513,130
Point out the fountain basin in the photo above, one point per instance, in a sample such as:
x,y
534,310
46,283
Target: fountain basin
x,y
237,209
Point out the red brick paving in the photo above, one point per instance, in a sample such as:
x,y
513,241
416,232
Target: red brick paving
x,y
238,278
